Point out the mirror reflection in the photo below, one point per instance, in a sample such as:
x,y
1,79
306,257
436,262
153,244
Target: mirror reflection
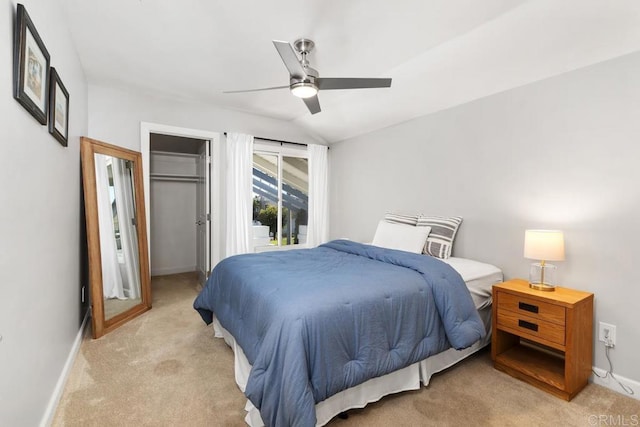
x,y
120,286
118,236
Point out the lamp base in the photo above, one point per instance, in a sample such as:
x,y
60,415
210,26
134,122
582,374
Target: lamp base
x,y
542,276
542,287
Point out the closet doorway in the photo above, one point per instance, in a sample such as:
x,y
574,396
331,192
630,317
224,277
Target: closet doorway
x,y
180,210
181,197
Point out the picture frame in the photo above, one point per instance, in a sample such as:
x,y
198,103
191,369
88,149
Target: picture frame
x,y
31,67
58,108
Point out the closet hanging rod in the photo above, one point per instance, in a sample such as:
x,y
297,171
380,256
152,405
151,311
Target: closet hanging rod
x,y
173,177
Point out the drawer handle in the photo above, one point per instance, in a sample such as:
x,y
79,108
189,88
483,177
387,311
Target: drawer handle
x,y
527,325
528,307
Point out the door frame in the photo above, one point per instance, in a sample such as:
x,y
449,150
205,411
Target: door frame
x,y
203,199
146,129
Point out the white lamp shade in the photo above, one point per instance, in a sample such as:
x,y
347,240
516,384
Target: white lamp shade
x,y
547,245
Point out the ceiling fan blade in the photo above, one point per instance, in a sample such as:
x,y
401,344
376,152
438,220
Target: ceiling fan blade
x,y
290,59
256,90
313,104
329,83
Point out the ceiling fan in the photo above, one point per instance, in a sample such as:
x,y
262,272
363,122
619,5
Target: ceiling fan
x,y
305,82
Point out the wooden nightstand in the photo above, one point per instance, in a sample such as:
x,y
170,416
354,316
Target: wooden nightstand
x,y
543,338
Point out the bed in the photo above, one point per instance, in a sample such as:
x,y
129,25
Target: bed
x,y
284,335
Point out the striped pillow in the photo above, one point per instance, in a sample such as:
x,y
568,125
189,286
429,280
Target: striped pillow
x,y
401,219
443,231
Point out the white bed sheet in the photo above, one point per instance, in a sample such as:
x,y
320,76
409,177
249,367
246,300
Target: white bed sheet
x,y
478,276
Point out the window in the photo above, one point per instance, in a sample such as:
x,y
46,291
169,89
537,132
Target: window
x,y
280,195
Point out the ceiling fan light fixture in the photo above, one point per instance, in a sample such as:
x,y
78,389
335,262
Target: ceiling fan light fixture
x,y
305,82
304,89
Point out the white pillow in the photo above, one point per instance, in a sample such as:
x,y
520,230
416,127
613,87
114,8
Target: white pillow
x,y
400,236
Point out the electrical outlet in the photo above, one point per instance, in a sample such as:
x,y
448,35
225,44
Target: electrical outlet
x,y
607,334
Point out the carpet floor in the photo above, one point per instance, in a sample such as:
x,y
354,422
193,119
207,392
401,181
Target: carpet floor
x,y
164,368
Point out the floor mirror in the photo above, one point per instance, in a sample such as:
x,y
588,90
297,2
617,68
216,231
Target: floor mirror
x,y
120,287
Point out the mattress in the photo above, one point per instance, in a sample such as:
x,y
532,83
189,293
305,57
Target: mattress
x,y
479,277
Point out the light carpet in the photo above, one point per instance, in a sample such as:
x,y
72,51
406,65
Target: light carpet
x,y
164,368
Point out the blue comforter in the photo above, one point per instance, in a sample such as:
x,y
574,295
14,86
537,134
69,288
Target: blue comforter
x,y
313,322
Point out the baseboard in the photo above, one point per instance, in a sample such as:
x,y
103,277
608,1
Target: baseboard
x,y
47,418
173,270
612,384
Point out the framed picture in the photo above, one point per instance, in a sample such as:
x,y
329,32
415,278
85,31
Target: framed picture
x,y
30,67
58,108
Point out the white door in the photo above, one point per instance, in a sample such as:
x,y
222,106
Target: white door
x,y
203,219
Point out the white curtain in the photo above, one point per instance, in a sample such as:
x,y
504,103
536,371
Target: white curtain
x,y
125,206
111,278
318,221
239,192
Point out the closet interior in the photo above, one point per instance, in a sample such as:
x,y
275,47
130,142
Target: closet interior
x,y
178,212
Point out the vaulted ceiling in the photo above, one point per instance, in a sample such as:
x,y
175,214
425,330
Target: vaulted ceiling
x,y
440,53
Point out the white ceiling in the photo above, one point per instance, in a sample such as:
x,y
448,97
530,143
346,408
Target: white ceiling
x,y
440,53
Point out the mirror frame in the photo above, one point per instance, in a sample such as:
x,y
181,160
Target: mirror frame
x,y
88,149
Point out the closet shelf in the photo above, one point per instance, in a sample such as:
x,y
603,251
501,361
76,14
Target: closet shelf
x,y
174,177
174,154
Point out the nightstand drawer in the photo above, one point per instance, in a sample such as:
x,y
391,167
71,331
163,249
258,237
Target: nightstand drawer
x,y
531,326
532,308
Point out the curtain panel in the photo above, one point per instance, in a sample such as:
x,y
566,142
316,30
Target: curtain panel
x,y
318,225
239,193
111,278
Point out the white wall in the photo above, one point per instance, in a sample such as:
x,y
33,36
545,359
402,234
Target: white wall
x,y
560,153
40,227
173,216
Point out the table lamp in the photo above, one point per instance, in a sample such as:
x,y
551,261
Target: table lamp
x,y
543,245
